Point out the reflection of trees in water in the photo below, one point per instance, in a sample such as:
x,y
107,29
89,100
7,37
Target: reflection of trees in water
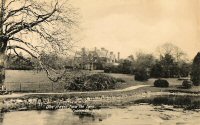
x,y
1,117
58,117
94,118
186,102
66,117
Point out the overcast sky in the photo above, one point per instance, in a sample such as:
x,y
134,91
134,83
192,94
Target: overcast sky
x,y
131,25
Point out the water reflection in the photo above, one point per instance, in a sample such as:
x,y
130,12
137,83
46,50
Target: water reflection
x,y
131,115
1,117
160,113
185,102
58,117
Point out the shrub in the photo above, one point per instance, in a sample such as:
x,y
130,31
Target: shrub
x,y
187,84
161,83
75,80
141,75
107,70
111,69
99,82
94,82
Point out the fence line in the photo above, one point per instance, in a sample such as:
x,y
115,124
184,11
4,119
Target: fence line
x,y
33,86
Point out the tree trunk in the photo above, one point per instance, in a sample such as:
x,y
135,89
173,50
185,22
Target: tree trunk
x,y
2,71
3,46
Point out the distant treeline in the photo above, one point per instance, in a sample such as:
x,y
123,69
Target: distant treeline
x,y
171,63
166,66
20,62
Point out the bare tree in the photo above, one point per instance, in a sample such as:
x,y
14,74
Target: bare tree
x,y
173,50
144,60
32,26
177,54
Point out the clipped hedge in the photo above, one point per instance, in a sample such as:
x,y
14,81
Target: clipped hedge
x,y
187,84
161,83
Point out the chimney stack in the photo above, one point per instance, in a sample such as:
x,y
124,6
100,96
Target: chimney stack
x,y
118,56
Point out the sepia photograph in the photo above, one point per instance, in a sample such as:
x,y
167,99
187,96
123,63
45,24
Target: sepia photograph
x,y
99,62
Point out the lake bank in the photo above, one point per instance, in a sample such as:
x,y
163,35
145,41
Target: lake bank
x,y
120,99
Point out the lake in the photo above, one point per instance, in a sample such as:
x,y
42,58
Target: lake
x,y
131,115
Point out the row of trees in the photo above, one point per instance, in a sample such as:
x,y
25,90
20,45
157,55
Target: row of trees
x,y
168,67
51,60
19,62
171,62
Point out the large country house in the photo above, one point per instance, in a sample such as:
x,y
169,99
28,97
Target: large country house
x,y
95,59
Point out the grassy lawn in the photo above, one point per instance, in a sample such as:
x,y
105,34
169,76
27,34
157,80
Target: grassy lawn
x,y
33,81
175,85
20,80
129,80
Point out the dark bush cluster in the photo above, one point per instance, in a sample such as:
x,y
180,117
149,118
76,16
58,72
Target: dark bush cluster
x,y
17,63
111,69
187,84
124,67
168,67
161,83
141,75
94,82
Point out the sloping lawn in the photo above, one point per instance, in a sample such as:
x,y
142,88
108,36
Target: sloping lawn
x,y
20,80
129,80
38,82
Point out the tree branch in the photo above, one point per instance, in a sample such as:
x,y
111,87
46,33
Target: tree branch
x,y
54,79
21,48
24,25
50,27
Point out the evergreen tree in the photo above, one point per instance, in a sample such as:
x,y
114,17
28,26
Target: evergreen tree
x,y
157,70
195,74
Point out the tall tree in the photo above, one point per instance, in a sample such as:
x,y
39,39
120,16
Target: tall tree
x,y
34,26
173,50
144,61
168,65
195,74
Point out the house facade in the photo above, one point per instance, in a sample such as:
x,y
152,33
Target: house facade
x,y
94,59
